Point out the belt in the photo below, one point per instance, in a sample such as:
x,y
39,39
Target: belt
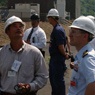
x,y
6,93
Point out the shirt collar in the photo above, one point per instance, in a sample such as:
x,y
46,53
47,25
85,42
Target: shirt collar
x,y
21,49
80,53
36,28
56,25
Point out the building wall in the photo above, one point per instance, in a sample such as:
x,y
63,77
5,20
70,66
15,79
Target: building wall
x,y
78,8
45,5
61,4
73,6
70,7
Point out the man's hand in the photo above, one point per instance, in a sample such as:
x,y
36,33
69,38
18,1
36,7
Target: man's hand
x,y
67,56
22,88
72,65
90,89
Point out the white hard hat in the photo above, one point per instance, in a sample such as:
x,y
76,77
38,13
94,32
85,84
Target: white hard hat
x,y
84,23
12,20
53,12
91,17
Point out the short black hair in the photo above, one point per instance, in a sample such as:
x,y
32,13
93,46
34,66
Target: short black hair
x,y
34,17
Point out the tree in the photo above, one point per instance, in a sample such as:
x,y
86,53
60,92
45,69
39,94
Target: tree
x,y
88,7
3,2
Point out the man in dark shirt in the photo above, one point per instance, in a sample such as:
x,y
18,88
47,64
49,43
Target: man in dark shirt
x,y
58,55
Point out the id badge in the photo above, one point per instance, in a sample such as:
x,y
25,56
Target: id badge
x,y
72,83
11,74
16,65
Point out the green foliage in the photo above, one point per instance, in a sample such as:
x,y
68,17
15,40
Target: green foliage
x,y
3,2
88,7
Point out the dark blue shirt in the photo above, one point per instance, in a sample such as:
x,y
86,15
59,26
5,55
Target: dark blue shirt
x,y
57,38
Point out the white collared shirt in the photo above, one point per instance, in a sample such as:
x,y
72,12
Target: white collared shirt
x,y
92,43
38,36
27,65
85,73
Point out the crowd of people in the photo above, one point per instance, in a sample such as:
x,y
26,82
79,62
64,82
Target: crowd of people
x,y
23,70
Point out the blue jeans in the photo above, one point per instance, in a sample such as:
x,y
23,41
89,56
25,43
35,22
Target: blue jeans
x,y
56,75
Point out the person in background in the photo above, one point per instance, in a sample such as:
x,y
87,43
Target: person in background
x,y
22,67
82,80
57,66
36,35
93,41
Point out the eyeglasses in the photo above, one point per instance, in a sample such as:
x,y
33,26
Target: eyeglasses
x,y
76,31
73,31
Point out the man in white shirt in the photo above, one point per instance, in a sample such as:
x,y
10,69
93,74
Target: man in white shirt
x,y
35,35
22,67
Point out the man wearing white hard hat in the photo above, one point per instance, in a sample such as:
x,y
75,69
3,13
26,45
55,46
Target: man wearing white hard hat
x,y
22,66
91,17
82,80
57,65
36,35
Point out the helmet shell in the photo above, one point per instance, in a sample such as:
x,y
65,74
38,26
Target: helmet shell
x,y
91,17
12,20
84,23
53,12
